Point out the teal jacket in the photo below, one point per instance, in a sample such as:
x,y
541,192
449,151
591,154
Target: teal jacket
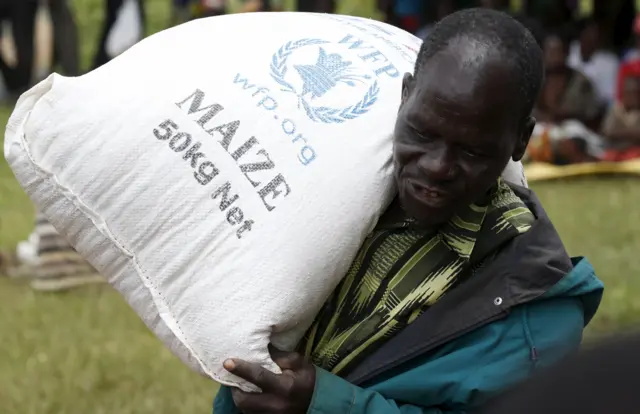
x,y
524,310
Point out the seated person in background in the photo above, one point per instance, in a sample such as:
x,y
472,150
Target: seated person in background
x,y
405,14
181,11
598,64
634,52
621,127
437,10
464,288
249,6
506,6
184,10
499,5
568,109
566,93
317,6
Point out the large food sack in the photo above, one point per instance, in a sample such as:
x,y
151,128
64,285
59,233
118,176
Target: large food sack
x,y
222,174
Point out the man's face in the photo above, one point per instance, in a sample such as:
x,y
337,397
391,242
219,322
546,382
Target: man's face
x,y
555,53
631,94
455,132
589,40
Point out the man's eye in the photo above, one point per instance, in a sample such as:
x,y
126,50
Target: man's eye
x,y
424,136
473,153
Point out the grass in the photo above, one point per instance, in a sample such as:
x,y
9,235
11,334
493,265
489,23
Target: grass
x,y
86,352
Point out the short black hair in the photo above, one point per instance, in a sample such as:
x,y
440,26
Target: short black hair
x,y
505,35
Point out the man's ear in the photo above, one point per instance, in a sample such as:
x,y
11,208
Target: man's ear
x,y
524,136
408,83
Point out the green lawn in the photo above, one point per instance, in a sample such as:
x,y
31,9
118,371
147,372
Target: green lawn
x,y
86,352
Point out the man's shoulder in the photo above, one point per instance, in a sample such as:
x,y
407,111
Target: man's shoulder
x,y
538,257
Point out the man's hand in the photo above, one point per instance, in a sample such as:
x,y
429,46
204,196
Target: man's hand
x,y
288,393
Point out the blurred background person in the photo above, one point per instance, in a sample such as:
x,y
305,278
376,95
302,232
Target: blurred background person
x,y
589,56
621,126
567,93
568,110
180,12
633,53
317,6
249,6
505,6
185,10
56,40
501,5
43,35
21,15
65,37
124,25
436,11
210,8
405,14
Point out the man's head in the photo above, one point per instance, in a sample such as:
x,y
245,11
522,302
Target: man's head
x,y
590,37
631,93
465,112
556,51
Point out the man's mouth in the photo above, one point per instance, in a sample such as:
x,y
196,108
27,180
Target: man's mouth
x,y
429,195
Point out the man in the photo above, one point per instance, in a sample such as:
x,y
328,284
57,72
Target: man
x,y
464,288
22,16
530,23
113,10
438,11
634,53
568,110
501,5
251,6
405,14
566,93
65,37
185,10
589,56
317,6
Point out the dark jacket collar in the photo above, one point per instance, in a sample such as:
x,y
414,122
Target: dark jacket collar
x,y
521,271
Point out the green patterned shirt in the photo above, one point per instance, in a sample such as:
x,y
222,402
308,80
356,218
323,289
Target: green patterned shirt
x,y
401,270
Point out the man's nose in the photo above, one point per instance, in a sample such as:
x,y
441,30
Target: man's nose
x,y
438,164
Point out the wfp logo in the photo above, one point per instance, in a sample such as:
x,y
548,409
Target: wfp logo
x,y
311,70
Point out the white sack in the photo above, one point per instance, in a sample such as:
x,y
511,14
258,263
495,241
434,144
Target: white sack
x,y
221,174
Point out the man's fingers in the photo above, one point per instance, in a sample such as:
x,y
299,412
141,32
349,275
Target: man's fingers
x,y
286,360
250,403
255,374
